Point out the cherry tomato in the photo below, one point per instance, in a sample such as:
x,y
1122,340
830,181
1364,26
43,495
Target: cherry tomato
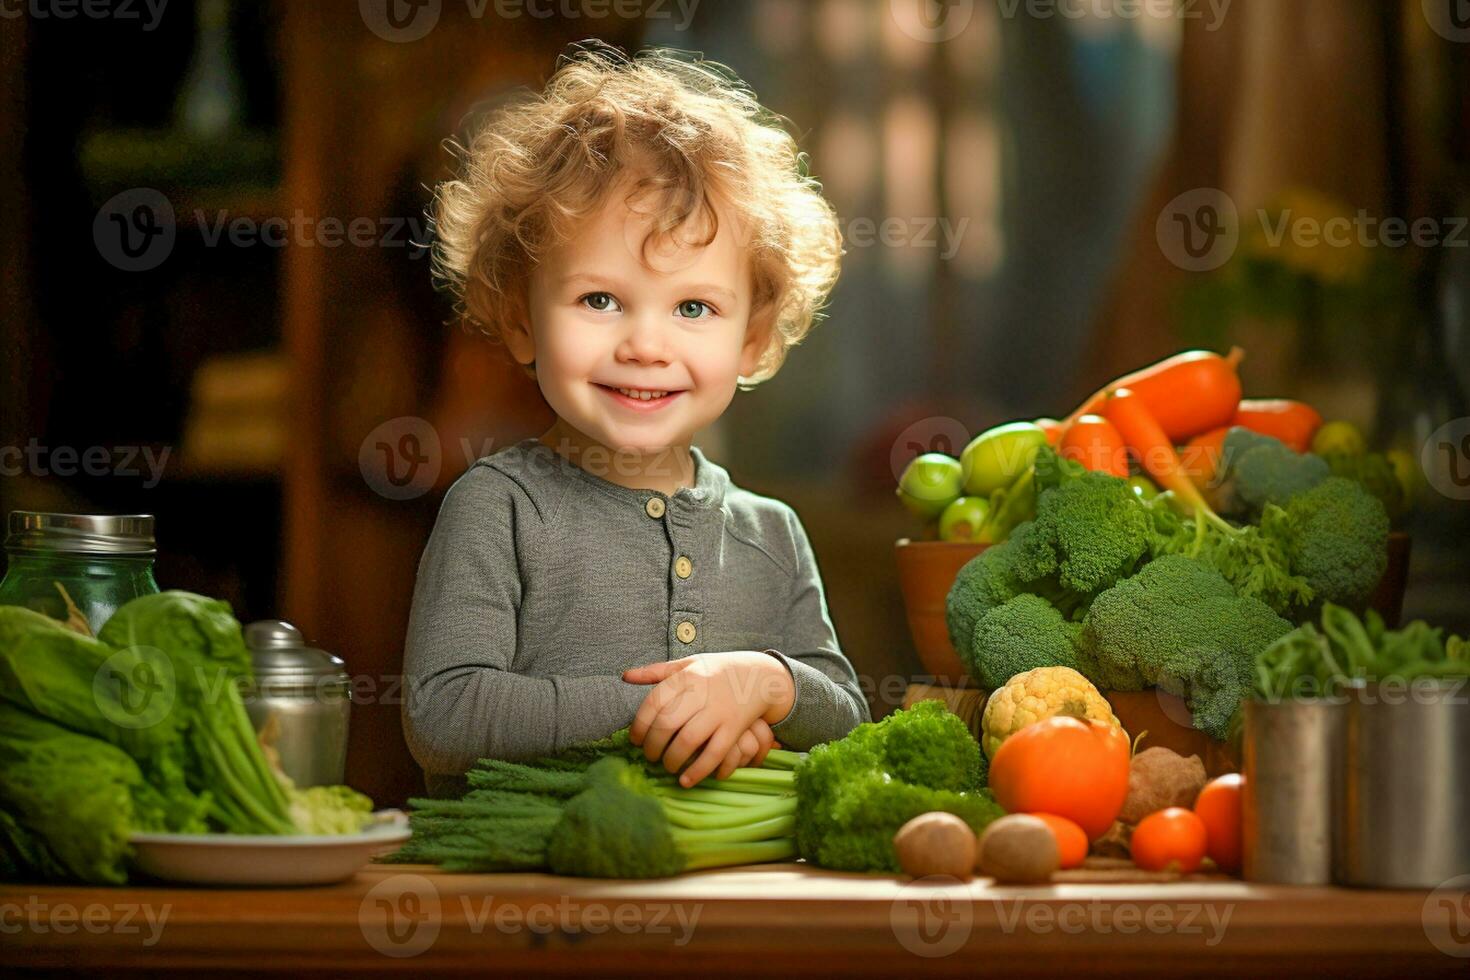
x,y
1219,807
1169,840
1071,840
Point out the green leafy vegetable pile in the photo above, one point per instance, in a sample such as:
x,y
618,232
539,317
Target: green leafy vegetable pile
x,y
139,729
602,810
1308,662
1134,594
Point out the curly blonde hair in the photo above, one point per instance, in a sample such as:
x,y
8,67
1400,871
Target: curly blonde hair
x,y
688,130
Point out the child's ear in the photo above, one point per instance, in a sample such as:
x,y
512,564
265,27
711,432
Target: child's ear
x,y
758,332
520,341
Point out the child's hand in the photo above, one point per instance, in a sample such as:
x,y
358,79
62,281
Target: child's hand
x,y
702,705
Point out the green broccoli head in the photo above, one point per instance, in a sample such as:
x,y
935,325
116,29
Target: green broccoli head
x,y
1026,632
1376,474
614,829
1337,534
1257,470
855,793
1090,532
1180,626
985,581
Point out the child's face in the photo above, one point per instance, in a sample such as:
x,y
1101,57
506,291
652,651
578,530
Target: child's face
x,y
602,319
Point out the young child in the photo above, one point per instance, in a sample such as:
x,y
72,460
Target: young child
x,y
643,240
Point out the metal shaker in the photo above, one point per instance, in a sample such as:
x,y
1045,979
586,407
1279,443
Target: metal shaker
x,y
299,703
1291,760
1406,785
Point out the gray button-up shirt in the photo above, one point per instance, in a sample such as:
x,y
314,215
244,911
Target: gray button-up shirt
x,y
541,583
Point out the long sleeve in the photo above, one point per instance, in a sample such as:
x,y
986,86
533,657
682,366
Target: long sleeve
x,y
829,703
464,700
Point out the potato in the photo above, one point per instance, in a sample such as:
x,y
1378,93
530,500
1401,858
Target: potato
x,y
935,844
1159,778
1018,849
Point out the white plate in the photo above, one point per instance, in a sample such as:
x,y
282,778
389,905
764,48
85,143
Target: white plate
x,y
263,859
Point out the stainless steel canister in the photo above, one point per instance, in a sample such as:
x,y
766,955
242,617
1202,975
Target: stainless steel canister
x,y
1292,756
1406,785
299,703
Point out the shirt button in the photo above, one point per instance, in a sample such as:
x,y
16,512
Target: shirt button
x,y
685,632
683,567
655,507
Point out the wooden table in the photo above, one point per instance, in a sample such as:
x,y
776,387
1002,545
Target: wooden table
x,y
776,919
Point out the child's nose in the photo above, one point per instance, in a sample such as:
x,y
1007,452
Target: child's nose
x,y
647,341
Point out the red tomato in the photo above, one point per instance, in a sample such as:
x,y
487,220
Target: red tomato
x,y
1096,443
1219,807
1172,840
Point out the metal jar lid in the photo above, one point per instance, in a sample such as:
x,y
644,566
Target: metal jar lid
x,y
282,659
80,534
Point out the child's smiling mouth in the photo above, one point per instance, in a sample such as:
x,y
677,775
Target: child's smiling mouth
x,y
640,399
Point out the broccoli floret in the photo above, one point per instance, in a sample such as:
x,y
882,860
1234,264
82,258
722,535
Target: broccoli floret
x,y
984,583
1024,633
1337,536
1257,470
1180,626
1376,474
1091,531
855,793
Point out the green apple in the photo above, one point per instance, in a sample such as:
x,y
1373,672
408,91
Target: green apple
x,y
961,520
994,458
1339,437
929,483
1144,487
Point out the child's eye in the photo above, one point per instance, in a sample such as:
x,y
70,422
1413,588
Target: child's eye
x,y
692,309
600,302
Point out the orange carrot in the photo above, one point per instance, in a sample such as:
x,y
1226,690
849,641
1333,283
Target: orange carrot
x,y
1096,443
1188,393
1151,445
1202,455
1294,423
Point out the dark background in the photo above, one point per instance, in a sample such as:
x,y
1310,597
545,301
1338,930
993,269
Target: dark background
x,y
1051,144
